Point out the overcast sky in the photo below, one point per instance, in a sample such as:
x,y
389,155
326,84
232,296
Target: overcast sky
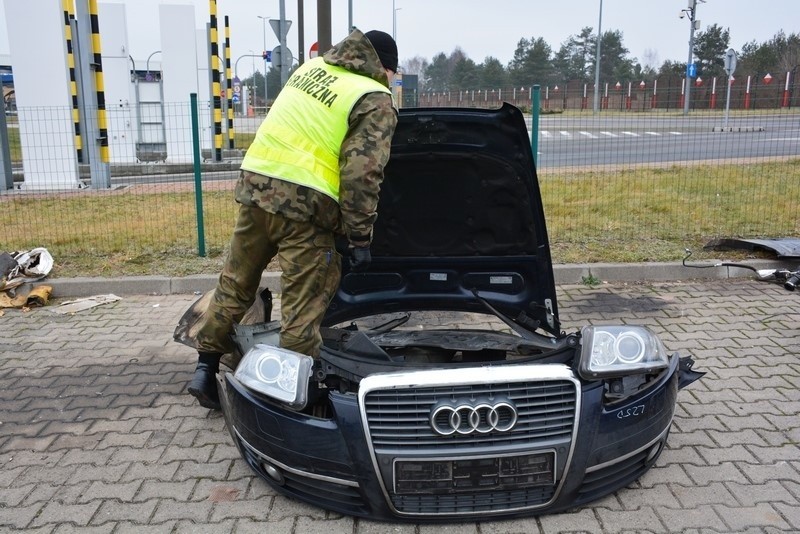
x,y
652,30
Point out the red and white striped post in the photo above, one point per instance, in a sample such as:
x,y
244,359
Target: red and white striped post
x,y
654,99
642,87
713,103
683,92
628,98
785,99
747,94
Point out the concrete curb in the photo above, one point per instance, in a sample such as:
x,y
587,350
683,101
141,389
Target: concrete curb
x,y
565,274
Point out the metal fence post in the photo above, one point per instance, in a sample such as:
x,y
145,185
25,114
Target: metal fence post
x,y
535,123
198,184
92,95
5,151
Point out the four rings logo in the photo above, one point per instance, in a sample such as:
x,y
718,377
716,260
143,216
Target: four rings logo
x,y
467,418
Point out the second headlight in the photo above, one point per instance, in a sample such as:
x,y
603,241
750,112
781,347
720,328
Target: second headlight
x,y
612,351
277,373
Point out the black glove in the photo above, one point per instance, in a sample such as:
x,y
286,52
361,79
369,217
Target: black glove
x,y
360,258
342,245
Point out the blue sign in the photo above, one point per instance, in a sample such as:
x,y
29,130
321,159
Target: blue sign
x,y
267,56
691,70
237,89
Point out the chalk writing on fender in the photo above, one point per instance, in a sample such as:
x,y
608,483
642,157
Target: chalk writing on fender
x,y
631,411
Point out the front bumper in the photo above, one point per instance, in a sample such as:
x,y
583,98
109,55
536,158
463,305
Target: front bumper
x,y
378,455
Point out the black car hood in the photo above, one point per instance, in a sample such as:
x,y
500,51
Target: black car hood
x,y
460,223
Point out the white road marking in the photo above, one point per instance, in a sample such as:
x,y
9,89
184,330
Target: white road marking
x,y
569,135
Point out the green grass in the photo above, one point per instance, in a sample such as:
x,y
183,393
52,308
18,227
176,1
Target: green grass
x,y
632,215
14,145
241,141
653,214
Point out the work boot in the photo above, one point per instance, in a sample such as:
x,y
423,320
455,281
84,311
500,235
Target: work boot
x,y
203,385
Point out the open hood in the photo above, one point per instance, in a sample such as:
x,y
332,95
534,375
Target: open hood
x,y
460,223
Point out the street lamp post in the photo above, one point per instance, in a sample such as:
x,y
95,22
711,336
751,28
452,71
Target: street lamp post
x,y
597,59
264,27
253,79
349,16
252,93
691,11
252,56
394,20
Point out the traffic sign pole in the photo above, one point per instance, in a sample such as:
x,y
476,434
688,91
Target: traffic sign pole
x,y
237,93
281,28
730,66
693,24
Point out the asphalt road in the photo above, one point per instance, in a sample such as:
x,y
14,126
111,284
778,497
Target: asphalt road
x,y
619,140
578,141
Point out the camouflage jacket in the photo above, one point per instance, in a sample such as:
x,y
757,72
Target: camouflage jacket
x,y
363,155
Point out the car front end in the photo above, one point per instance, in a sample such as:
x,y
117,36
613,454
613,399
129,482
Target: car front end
x,y
447,387
494,439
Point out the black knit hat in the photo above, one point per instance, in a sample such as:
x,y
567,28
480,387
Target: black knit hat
x,y
386,48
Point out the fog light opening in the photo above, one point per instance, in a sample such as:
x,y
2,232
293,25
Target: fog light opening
x,y
654,450
273,472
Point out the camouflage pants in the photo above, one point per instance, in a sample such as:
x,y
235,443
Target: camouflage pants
x,y
311,269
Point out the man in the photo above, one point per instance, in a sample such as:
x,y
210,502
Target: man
x,y
313,171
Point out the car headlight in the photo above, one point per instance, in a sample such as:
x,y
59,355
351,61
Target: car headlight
x,y
277,373
612,351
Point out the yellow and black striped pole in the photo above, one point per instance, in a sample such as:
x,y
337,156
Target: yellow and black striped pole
x,y
215,85
99,86
229,82
69,15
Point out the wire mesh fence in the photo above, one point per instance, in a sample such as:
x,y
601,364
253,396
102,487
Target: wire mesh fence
x,y
665,94
633,175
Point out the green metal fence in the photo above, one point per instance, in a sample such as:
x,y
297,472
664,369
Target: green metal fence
x,y
637,176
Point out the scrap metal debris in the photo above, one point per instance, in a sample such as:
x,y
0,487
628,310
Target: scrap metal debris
x,y
72,306
20,267
790,279
783,247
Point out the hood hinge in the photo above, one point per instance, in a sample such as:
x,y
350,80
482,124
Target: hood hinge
x,y
551,318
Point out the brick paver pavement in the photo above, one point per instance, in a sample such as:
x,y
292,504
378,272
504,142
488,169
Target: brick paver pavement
x,y
97,433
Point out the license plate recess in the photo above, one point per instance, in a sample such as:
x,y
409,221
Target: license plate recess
x,y
480,473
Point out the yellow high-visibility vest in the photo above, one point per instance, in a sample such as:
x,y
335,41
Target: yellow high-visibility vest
x,y
301,137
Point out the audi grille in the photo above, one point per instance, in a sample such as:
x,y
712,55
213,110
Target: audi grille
x,y
459,439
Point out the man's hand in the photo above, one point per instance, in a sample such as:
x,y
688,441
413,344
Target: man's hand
x,y
360,258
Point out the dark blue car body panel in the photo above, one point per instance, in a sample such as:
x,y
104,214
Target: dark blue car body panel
x,y
616,445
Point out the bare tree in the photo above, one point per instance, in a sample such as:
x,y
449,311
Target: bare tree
x,y
650,61
415,65
418,66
